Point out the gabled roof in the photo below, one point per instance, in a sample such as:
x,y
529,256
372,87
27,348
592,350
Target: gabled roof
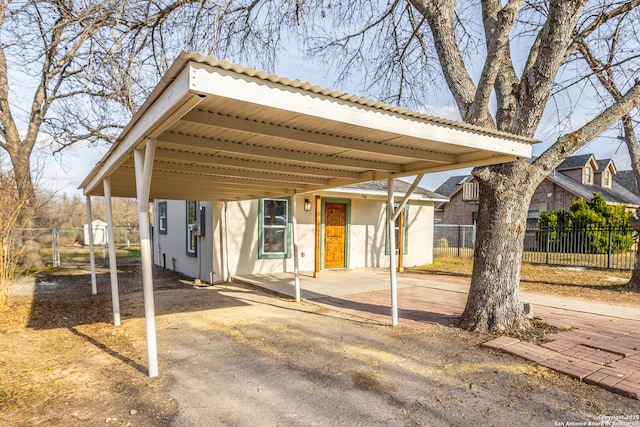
x,y
615,194
220,131
452,185
604,163
399,186
575,162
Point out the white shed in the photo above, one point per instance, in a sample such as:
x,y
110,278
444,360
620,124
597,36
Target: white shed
x,y
100,236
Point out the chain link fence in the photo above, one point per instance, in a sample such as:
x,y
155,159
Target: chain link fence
x,y
69,247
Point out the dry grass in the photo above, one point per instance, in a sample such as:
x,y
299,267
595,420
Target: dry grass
x,y
587,283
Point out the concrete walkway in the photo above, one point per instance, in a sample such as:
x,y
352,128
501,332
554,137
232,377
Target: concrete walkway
x,y
601,344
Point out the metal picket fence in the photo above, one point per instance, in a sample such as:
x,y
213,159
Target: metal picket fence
x,y
454,240
601,247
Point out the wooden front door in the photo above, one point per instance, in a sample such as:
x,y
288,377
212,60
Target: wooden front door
x,y
335,230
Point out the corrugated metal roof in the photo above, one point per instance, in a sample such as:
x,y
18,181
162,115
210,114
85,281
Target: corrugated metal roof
x,y
309,87
226,132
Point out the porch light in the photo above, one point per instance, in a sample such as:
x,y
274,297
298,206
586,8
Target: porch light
x,y
307,205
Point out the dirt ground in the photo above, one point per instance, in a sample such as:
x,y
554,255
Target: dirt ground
x,y
234,355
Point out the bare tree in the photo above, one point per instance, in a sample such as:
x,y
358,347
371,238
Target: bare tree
x,y
51,54
505,66
503,63
10,227
609,77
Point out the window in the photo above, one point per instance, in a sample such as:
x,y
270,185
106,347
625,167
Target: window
x,y
587,175
405,245
192,228
533,219
273,228
474,218
607,178
162,217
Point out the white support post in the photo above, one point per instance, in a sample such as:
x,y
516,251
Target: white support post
x,y
92,254
294,236
391,224
144,166
113,268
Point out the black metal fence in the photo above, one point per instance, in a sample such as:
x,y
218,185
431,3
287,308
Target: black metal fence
x,y
454,240
594,246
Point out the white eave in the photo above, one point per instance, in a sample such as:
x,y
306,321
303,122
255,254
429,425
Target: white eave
x,y
224,132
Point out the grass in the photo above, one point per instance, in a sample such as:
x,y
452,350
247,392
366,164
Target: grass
x,y
586,283
74,252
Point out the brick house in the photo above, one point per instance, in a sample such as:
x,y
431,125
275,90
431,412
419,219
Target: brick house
x,y
577,177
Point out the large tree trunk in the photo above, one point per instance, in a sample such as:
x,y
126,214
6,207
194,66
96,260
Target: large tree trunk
x,y
29,212
634,283
493,303
634,153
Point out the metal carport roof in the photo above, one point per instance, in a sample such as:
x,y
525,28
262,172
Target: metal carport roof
x,y
216,131
224,132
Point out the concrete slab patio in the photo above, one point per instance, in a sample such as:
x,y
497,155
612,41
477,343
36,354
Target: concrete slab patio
x,y
600,343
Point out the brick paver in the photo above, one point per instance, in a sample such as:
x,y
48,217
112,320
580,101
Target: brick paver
x,y
609,358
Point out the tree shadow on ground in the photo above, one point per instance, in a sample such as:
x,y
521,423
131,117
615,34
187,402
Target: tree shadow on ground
x,y
63,298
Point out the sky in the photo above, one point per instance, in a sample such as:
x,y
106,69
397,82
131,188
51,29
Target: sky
x,y
64,172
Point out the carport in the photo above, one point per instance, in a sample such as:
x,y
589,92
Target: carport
x,y
216,131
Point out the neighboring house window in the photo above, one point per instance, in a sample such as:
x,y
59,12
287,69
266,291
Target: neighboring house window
x,y
533,219
474,218
607,178
192,239
405,245
273,228
162,217
587,175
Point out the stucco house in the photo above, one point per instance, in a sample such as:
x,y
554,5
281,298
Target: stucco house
x,y
577,177
339,228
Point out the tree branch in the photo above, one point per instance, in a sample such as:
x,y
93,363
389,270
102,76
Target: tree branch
x,y
497,23
439,14
543,64
571,142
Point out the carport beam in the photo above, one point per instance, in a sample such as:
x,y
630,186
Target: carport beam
x,y
294,235
144,166
113,268
92,255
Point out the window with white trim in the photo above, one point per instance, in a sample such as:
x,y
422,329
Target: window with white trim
x,y
274,229
162,217
192,224
587,175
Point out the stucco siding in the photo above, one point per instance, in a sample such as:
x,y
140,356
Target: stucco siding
x,y
170,249
230,244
